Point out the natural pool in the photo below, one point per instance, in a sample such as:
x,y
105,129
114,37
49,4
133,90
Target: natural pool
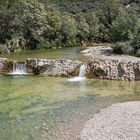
x,y
51,108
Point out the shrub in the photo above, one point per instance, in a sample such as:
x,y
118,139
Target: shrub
x,y
138,53
123,48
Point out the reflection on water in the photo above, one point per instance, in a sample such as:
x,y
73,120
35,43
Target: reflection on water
x,y
47,108
64,53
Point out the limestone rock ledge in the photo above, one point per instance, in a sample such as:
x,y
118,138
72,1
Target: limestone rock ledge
x,y
104,64
113,69
5,65
61,67
103,67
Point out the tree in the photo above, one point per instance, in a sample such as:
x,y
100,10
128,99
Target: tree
x,y
6,24
68,28
107,12
29,21
93,23
53,24
82,27
135,41
123,27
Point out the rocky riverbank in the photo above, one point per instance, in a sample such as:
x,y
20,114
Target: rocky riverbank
x,y
118,122
50,67
104,64
60,67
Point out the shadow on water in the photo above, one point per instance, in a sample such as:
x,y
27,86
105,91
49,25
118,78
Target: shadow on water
x,y
40,108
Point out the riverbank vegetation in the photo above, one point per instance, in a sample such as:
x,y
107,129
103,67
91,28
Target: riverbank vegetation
x,y
32,24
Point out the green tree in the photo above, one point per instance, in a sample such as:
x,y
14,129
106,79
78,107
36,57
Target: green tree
x,y
6,24
107,12
53,24
68,29
82,27
135,41
29,20
123,27
93,22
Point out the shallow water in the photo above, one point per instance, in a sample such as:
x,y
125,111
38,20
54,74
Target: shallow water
x,y
63,53
51,108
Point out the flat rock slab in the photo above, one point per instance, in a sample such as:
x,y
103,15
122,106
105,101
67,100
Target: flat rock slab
x,y
107,54
118,122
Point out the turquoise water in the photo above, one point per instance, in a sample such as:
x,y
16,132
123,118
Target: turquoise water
x,y
50,108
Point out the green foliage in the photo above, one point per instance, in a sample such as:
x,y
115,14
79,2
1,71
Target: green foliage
x,y
6,24
123,48
68,27
56,23
30,20
135,41
107,12
82,27
93,23
123,27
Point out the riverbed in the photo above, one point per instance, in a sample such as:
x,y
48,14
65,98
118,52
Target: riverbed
x,y
40,108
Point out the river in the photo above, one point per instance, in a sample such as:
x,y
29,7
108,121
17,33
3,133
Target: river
x,y
52,108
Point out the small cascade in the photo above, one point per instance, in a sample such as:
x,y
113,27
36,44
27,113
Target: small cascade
x,y
81,74
82,70
19,69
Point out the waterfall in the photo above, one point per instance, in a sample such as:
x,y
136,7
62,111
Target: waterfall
x,y
82,70
19,69
81,76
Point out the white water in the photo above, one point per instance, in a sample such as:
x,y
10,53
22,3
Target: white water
x,y
82,70
19,69
81,74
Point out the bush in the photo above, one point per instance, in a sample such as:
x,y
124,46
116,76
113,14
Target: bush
x,y
138,53
123,48
1,48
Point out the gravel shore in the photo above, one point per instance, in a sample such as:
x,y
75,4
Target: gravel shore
x,y
120,121
106,53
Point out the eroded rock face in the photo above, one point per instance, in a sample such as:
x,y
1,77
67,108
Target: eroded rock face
x,y
3,65
106,65
114,69
6,66
61,67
